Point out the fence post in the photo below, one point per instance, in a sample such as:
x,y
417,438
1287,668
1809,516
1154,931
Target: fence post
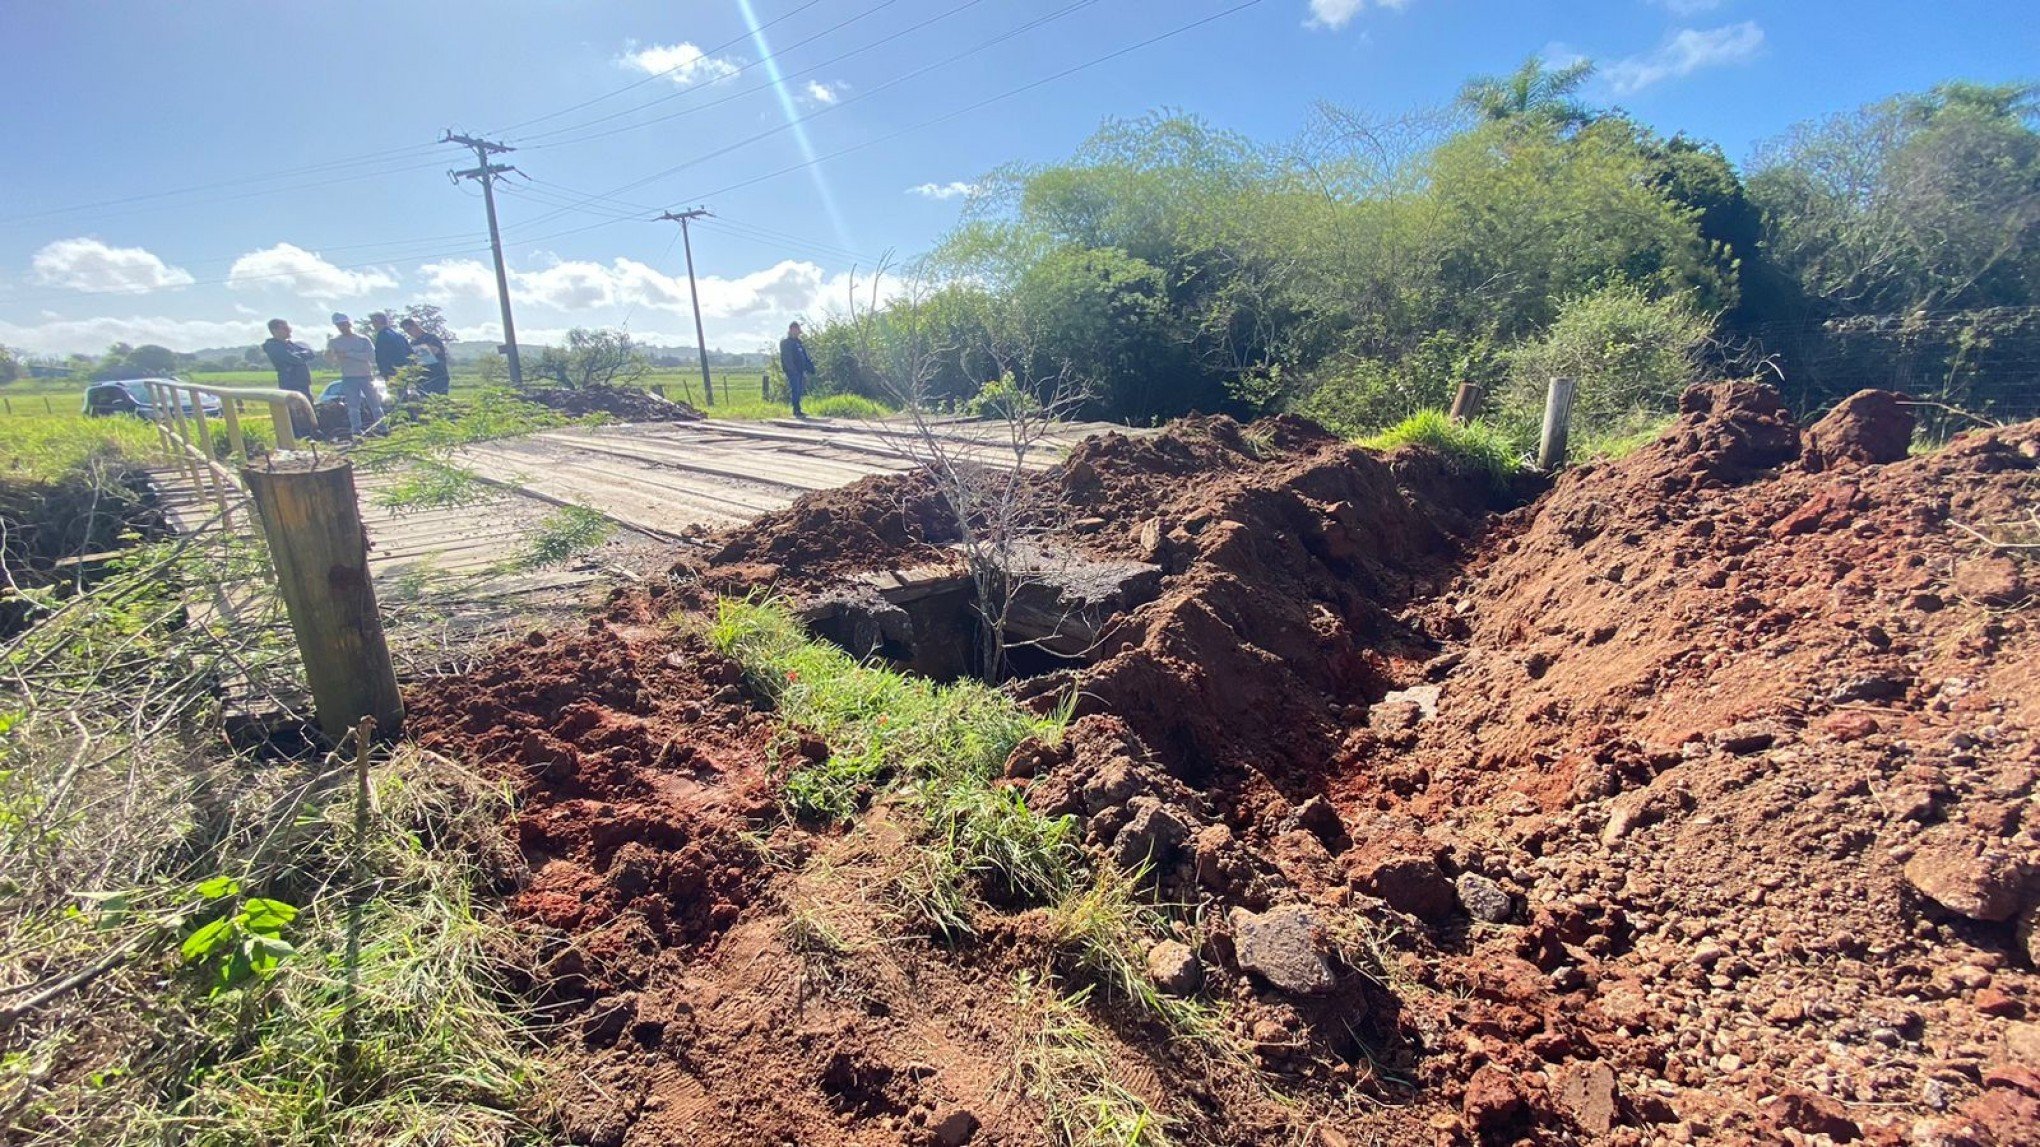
x,y
313,524
1466,402
1557,413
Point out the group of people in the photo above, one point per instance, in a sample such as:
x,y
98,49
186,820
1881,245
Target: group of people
x,y
361,360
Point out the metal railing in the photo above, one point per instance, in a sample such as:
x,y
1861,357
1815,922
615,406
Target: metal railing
x,y
187,433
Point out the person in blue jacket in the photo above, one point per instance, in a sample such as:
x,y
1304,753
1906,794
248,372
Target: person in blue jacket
x,y
794,360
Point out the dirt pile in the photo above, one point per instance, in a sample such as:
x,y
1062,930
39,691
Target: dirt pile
x,y
620,403
1751,755
1694,801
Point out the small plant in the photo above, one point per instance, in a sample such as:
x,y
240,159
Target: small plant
x,y
1475,446
243,944
433,485
563,535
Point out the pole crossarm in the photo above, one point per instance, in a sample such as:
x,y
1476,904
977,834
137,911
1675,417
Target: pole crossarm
x,y
486,174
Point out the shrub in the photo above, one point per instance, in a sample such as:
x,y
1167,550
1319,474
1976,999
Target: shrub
x,y
1630,354
848,406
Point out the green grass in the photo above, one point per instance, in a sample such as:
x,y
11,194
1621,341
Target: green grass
x,y
939,746
1477,446
1061,1061
1620,441
44,448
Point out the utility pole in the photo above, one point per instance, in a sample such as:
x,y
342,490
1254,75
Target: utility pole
x,y
486,173
700,339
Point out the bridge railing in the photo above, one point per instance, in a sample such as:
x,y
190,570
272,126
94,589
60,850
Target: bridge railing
x,y
187,431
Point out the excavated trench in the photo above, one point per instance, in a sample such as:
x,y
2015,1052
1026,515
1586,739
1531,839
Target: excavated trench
x,y
1649,812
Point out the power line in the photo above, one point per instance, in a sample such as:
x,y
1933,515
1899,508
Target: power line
x,y
286,173
789,124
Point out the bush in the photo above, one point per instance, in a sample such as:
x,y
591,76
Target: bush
x,y
1476,446
1631,355
1357,395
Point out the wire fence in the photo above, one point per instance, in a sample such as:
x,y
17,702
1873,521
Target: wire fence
x,y
1981,364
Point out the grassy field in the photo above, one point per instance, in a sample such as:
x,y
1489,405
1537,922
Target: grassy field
x,y
738,393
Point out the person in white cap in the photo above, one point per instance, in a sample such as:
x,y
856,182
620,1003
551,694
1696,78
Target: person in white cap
x,y
355,356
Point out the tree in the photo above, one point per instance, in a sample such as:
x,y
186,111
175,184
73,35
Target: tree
x,y
493,368
10,365
1922,202
592,358
1533,92
428,316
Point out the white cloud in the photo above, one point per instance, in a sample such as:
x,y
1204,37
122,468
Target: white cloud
x,y
683,63
954,190
821,93
1684,52
90,265
1336,14
60,336
304,273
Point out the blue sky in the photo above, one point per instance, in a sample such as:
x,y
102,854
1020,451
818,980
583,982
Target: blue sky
x,y
179,173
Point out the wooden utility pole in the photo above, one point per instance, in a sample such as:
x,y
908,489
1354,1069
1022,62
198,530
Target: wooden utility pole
x,y
1557,414
313,524
700,339
486,173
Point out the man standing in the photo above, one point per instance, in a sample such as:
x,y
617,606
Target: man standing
x,y
293,363
392,350
794,360
428,351
355,356
292,360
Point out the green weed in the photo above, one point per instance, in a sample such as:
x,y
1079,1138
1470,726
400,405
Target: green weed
x,y
564,534
433,485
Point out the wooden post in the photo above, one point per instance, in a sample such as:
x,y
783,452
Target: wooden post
x,y
313,524
1466,403
1557,414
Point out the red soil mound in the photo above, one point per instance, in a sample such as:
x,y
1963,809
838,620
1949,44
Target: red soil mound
x,y
1704,810
1753,754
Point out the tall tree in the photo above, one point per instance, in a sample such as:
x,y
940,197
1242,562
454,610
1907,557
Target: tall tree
x,y
1534,92
1923,202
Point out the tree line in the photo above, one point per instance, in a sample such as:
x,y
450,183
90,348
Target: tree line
x,y
1360,271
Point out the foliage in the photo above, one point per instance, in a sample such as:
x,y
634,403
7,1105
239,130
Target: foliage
x,y
242,943
1354,396
431,317
1001,398
1630,354
1918,202
1532,92
940,746
493,368
1476,447
563,534
340,986
591,358
10,365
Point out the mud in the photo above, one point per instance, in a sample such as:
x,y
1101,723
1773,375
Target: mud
x,y
1691,802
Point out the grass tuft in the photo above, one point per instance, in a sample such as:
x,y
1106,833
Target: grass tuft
x,y
1061,1061
564,534
1476,446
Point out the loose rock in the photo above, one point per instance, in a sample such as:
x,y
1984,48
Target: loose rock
x,y
1483,899
1174,968
1280,946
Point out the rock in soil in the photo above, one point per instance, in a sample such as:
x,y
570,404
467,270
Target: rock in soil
x,y
1483,899
1280,946
1968,876
1174,968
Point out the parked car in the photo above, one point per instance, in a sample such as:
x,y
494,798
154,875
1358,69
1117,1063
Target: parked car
x,y
331,393
132,396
